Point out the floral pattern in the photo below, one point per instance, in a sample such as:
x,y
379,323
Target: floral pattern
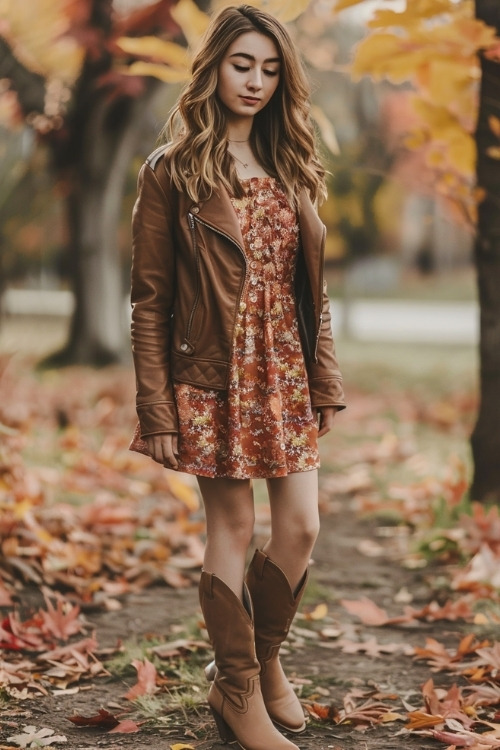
x,y
263,425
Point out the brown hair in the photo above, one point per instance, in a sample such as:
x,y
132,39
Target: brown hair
x,y
282,137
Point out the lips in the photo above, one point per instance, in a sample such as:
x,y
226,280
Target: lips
x,y
249,99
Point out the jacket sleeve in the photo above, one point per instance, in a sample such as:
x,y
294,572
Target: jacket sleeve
x,y
152,295
325,379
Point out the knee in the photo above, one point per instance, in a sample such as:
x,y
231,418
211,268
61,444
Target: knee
x,y
302,533
237,529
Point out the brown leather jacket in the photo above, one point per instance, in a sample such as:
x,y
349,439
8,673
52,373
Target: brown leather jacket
x,y
188,275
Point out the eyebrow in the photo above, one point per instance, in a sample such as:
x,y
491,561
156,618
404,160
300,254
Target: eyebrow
x,y
252,58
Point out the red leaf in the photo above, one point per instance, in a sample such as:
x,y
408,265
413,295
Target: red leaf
x,y
61,622
125,727
103,719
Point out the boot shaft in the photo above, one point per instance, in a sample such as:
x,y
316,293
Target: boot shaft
x,y
230,628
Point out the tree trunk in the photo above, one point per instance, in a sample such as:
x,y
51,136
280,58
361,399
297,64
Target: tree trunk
x,y
485,440
97,333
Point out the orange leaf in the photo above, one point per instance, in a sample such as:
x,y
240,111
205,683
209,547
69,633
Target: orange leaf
x,y
422,720
146,680
125,727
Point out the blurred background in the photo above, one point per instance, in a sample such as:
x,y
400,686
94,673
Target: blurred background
x,y
86,89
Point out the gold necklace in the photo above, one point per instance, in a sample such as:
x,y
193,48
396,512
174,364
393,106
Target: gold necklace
x,y
244,164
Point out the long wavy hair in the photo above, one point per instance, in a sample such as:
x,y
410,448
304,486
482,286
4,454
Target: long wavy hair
x,y
282,137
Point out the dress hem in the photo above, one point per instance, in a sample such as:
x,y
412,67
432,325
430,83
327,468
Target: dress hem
x,y
284,473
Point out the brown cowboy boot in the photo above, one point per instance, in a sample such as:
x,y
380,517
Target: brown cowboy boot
x,y
275,606
235,696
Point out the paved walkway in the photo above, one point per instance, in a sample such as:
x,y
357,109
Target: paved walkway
x,y
408,321
368,320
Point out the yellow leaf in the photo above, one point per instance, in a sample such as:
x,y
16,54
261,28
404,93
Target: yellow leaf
x,y
391,716
151,46
412,15
184,492
318,613
438,120
385,55
155,70
462,154
481,619
42,46
326,129
494,123
181,746
191,19
342,4
493,152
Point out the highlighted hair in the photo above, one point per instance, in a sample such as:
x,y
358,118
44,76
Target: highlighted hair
x,y
282,137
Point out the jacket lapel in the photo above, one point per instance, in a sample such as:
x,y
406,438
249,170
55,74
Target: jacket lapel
x,y
219,213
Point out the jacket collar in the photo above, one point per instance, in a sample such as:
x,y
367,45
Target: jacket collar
x,y
218,212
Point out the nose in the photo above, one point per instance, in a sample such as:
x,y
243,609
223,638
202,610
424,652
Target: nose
x,y
255,81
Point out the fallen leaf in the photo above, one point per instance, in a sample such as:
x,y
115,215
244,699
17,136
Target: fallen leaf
x,y
127,726
103,719
33,737
146,680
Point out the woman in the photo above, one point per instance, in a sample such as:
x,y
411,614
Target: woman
x,y
235,364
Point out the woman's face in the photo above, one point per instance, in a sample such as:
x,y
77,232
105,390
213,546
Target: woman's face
x,y
248,74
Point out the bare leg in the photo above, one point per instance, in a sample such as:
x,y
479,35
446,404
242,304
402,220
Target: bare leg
x,y
294,522
230,515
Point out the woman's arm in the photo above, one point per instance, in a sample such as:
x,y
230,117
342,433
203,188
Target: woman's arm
x,y
152,296
325,378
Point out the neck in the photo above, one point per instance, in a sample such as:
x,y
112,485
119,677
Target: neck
x,y
238,131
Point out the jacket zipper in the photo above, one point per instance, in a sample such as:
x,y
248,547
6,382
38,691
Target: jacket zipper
x,y
320,322
197,292
233,242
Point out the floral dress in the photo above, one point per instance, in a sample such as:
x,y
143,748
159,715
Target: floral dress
x,y
263,425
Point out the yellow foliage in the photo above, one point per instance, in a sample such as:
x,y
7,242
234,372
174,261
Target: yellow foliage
x,y
191,19
155,70
37,29
433,44
494,123
159,49
445,79
387,55
411,16
342,4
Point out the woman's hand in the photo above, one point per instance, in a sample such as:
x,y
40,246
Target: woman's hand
x,y
326,416
163,448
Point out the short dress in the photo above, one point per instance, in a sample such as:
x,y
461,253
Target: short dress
x,y
263,425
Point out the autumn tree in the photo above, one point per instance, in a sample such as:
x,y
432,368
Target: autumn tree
x,y
435,45
86,95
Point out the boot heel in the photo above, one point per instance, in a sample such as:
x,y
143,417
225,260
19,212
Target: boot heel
x,y
225,731
210,671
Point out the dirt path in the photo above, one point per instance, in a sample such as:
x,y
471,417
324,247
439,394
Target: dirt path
x,y
340,571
